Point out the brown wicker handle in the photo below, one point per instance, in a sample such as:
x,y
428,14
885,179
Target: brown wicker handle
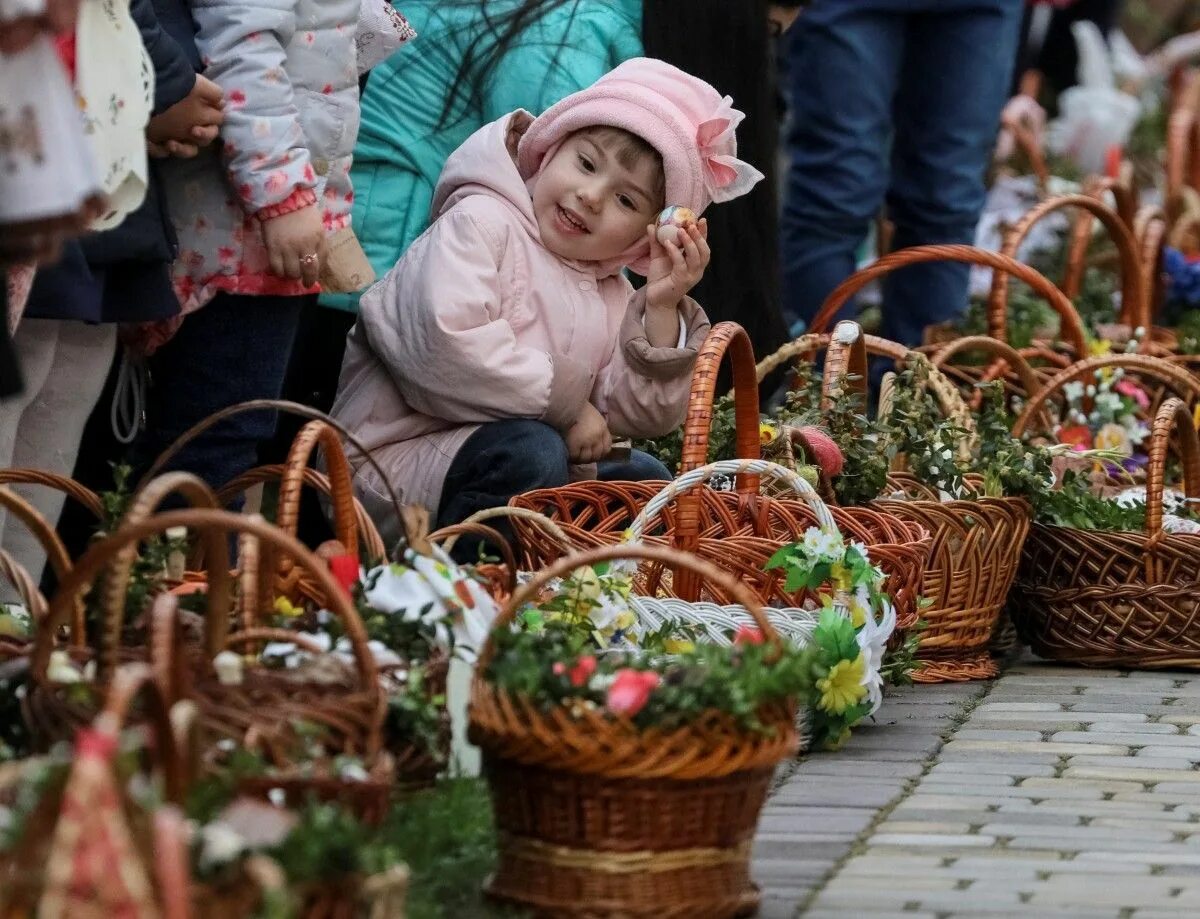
x,y
672,558
1006,357
372,543
134,682
1180,153
1150,229
215,525
277,405
1144,365
520,513
1072,325
1025,140
815,341
145,502
724,338
451,533
1173,416
341,494
68,486
1133,299
56,552
845,358
14,572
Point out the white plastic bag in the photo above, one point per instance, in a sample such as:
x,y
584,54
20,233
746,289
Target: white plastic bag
x,y
1095,115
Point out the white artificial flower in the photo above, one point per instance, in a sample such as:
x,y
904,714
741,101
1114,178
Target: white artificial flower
x,y
321,639
933,470
1108,402
279,649
61,670
384,656
1073,391
1118,373
353,772
830,547
277,796
1091,389
229,668
219,845
872,641
605,612
946,454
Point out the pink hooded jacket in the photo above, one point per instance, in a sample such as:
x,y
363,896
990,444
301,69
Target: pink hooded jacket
x,y
479,322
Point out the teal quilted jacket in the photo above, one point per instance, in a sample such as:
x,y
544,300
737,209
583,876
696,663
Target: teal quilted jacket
x,y
401,145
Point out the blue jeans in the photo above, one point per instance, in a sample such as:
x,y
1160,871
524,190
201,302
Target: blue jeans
x,y
506,458
233,350
895,100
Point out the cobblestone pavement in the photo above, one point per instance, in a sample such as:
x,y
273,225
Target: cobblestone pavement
x,y
1051,792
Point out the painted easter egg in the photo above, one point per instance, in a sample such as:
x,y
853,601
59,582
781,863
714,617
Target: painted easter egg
x,y
672,220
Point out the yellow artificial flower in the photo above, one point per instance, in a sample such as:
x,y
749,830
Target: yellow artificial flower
x,y
1115,438
836,743
767,432
1098,347
679,646
626,620
843,686
840,575
285,607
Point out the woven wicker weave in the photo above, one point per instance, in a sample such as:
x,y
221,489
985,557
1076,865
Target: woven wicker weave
x,y
597,818
737,531
1119,599
976,543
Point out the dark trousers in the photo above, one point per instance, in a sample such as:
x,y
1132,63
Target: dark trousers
x,y
506,458
233,350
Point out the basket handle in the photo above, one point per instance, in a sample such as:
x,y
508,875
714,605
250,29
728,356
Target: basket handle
x,y
451,534
130,683
56,552
14,572
1143,364
341,492
1006,356
1172,416
1150,229
145,502
519,513
845,357
68,486
1072,325
1025,140
672,558
1133,299
815,341
215,524
724,338
372,543
278,405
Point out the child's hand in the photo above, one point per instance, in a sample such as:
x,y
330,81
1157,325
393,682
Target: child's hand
x,y
189,124
296,244
588,439
675,268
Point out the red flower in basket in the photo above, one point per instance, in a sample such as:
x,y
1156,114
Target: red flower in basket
x,y
748,635
582,671
630,691
1078,436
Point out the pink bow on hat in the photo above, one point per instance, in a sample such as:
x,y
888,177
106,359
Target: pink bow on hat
x,y
725,176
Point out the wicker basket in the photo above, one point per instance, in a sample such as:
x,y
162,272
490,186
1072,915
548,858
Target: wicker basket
x,y
976,542
597,818
40,874
736,531
349,708
968,375
1119,599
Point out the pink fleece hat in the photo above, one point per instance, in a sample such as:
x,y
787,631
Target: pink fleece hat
x,y
690,124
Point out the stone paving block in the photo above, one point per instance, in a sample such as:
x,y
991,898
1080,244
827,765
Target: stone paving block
x,y
867,914
770,845
1129,739
891,827
778,821
1015,770
1138,761
1149,727
1133,773
827,795
996,734
943,901
983,713
822,765
1038,747
986,707
974,756
772,908
894,862
784,872
925,840
814,815
1189,756
1055,787
988,780
1082,808
1075,837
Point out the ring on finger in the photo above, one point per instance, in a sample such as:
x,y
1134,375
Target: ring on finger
x,y
310,259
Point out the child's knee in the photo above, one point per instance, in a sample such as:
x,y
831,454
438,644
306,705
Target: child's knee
x,y
538,455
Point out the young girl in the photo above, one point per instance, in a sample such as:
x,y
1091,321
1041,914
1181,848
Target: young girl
x,y
506,345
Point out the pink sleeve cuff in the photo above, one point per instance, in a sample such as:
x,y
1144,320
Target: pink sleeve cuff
x,y
296,201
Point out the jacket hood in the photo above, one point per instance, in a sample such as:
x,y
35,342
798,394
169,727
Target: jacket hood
x,y
485,165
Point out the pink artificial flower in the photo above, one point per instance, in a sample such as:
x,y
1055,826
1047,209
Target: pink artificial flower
x,y
748,635
583,670
1132,391
630,691
559,668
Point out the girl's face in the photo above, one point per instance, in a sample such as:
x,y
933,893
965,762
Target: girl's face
x,y
589,206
